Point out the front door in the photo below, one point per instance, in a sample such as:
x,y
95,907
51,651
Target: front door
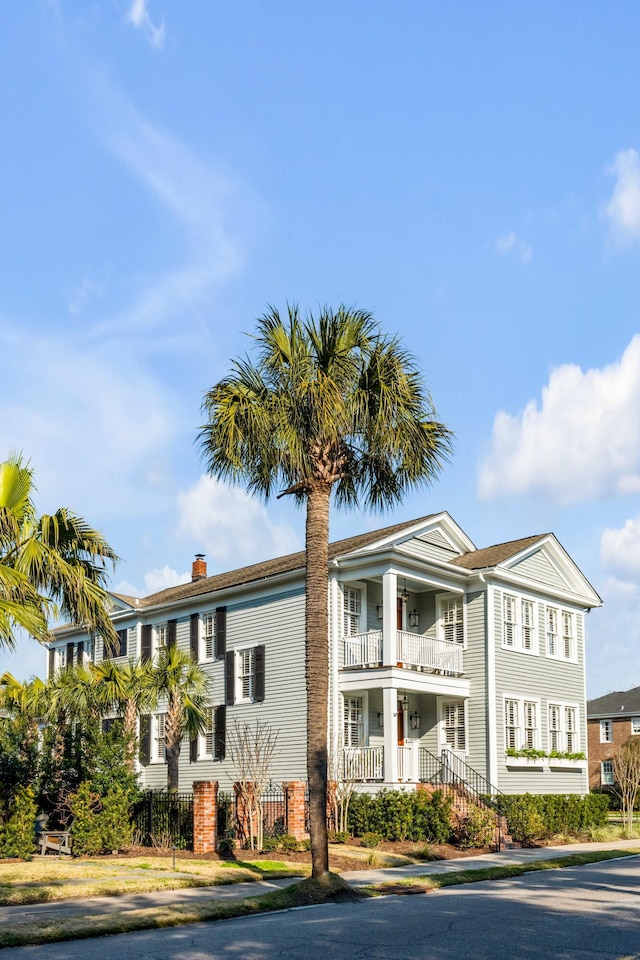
x,y
399,614
400,715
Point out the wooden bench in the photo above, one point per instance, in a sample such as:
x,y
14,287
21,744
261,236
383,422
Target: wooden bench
x,y
56,841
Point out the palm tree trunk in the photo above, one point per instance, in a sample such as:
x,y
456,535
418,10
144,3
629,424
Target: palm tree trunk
x,y
317,669
173,734
130,730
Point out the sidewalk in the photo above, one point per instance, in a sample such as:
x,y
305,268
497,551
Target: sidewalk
x,y
103,906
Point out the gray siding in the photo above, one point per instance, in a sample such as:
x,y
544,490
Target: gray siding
x,y
475,670
539,567
430,546
546,680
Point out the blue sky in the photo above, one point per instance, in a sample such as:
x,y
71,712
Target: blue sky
x,y
469,172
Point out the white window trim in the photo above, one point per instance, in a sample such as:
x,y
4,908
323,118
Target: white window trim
x,y
602,738
202,640
560,612
518,645
155,757
442,701
364,696
521,699
238,673
362,618
564,704
606,782
203,754
636,732
156,640
441,599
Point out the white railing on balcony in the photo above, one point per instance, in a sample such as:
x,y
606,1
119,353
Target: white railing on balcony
x,y
363,763
429,652
363,649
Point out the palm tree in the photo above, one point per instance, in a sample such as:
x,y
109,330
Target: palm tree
x,y
331,405
50,565
23,702
128,688
177,679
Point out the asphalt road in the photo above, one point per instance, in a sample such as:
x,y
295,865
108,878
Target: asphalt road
x,y
583,913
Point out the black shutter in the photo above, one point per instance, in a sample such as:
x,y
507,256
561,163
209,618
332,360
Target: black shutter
x,y
258,684
145,645
80,653
193,750
220,733
69,656
121,649
171,633
230,678
145,739
52,661
221,633
195,635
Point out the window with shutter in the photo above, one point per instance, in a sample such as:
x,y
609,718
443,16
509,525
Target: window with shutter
x,y
554,727
511,725
352,609
146,643
530,725
552,631
160,752
220,628
220,724
209,635
567,635
528,625
247,661
209,733
454,730
160,637
353,722
451,619
563,728
145,739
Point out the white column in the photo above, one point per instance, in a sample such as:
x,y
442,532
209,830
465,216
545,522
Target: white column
x,y
414,762
389,618
390,709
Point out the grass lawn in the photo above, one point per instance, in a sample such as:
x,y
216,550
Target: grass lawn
x,y
47,879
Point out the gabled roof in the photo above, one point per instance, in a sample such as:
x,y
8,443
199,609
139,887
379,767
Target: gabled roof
x,y
620,703
268,568
490,556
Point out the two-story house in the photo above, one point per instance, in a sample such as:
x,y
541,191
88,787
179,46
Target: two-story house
x,y
434,645
611,720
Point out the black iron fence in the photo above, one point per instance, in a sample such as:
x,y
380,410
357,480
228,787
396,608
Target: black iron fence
x,y
164,820
273,811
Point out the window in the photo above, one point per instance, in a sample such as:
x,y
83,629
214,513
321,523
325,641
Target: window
x,y
564,736
353,722
209,733
521,724
159,743
606,731
635,725
508,620
247,668
160,637
453,726
561,634
62,658
209,634
352,611
451,620
606,773
518,624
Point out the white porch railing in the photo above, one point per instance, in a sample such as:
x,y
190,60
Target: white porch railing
x,y
429,652
363,649
363,763
408,762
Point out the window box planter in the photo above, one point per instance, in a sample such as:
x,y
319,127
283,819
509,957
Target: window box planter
x,y
528,763
561,763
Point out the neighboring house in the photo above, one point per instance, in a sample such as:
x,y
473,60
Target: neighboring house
x,y
611,720
433,645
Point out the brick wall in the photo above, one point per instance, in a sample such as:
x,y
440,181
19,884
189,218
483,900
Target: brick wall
x,y
205,815
604,751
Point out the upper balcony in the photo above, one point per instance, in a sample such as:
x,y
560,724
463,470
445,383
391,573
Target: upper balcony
x,y
410,650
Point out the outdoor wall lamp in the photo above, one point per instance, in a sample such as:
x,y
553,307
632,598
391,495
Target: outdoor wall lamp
x,y
414,618
404,596
380,718
379,611
415,720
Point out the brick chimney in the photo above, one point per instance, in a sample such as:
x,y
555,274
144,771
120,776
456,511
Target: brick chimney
x,y
199,568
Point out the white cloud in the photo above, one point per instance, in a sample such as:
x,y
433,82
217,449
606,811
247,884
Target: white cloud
x,y
511,243
92,422
582,443
138,16
623,208
157,580
229,526
620,548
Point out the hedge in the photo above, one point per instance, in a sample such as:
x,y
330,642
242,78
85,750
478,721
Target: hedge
x,y
397,815
533,817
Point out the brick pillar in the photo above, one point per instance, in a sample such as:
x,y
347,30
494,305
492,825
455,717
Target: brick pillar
x,y
294,794
205,815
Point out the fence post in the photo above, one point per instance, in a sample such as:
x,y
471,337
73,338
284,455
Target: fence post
x,y
294,813
205,815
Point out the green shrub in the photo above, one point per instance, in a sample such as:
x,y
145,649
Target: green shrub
x,y
371,839
287,842
115,826
397,815
227,845
18,834
477,829
304,844
100,824
338,836
532,817
269,844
